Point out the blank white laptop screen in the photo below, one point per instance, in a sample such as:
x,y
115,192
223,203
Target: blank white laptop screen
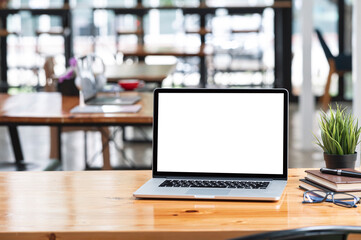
x,y
221,133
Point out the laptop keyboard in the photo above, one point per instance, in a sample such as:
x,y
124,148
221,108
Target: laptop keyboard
x,y
215,184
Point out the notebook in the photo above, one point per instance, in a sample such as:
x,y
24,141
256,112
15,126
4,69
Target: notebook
x,y
229,144
334,182
308,185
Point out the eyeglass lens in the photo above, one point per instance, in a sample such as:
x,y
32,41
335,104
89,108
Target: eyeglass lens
x,y
344,199
315,196
341,199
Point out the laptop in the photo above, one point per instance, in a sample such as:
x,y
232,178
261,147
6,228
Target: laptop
x,y
89,90
229,144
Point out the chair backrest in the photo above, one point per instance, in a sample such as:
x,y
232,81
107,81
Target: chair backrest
x,y
324,45
308,233
49,74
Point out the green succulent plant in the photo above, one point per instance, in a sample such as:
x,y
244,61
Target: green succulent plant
x,y
339,132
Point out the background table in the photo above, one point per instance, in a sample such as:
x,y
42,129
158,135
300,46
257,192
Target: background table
x,y
140,71
51,109
100,205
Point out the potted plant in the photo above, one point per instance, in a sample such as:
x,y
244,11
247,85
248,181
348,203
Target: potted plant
x,y
66,82
339,138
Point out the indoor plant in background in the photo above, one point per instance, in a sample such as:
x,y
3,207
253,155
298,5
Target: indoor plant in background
x,y
339,138
66,82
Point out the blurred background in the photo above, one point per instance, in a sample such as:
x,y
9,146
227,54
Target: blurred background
x,y
239,51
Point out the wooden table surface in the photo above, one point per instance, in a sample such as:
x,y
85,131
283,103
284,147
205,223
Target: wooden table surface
x,y
177,51
140,71
100,205
52,109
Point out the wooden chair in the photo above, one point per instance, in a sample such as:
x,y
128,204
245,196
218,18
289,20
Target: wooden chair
x,y
309,233
338,64
54,131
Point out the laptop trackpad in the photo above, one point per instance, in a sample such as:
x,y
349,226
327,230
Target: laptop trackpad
x,y
208,192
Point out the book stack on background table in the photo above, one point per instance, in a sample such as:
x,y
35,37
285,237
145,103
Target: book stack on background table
x,y
315,180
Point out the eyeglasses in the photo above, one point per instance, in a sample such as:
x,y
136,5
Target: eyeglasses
x,y
340,199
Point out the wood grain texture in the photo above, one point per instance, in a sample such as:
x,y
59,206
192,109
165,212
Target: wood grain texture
x,y
100,205
51,108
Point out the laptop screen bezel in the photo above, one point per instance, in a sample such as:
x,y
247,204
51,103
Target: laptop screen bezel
x,y
158,174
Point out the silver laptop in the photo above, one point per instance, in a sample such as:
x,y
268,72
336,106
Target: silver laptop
x,y
113,104
229,144
90,95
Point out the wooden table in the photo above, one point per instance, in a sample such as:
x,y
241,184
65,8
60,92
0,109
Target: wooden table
x,y
140,71
177,51
100,205
142,51
51,109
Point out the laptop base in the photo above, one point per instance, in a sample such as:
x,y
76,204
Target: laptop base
x,y
151,189
124,100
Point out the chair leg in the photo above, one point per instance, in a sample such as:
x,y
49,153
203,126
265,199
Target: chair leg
x,y
54,150
106,153
326,98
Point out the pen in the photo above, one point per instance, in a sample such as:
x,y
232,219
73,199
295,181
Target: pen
x,y
340,172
